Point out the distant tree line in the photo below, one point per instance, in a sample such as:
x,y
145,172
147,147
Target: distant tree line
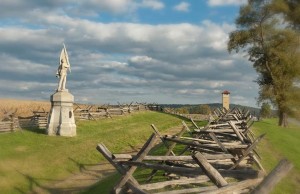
x,y
208,108
196,109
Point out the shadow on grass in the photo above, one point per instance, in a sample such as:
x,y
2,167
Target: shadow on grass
x,y
81,166
34,130
92,170
35,186
134,149
104,186
76,183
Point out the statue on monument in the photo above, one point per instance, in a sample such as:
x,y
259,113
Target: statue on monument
x,y
64,66
61,119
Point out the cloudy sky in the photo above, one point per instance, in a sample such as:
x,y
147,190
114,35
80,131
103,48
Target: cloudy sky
x,y
163,51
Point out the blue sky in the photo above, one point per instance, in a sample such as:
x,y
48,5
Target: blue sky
x,y
124,50
195,12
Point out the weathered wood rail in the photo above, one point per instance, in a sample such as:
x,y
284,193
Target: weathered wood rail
x,y
199,159
39,118
8,123
195,117
33,122
7,126
93,112
11,122
23,123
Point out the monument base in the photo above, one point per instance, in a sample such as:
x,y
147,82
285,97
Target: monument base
x,y
61,119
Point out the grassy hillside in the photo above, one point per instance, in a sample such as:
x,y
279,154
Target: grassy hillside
x,y
29,158
278,143
281,143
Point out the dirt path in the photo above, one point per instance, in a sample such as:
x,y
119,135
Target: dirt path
x,y
88,176
294,121
77,182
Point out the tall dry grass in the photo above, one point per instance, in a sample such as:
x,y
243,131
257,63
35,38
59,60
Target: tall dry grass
x,y
22,108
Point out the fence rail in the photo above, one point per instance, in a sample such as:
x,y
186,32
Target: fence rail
x,y
214,155
16,123
33,122
6,126
93,112
39,118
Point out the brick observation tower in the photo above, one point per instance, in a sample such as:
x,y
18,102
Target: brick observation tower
x,y
225,99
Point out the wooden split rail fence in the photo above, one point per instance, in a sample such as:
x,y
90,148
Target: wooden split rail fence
x,y
92,112
39,118
8,126
216,158
35,121
195,117
10,123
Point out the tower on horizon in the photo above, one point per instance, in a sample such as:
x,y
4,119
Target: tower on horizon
x,y
225,99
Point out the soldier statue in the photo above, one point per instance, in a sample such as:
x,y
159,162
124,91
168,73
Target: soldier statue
x,y
64,66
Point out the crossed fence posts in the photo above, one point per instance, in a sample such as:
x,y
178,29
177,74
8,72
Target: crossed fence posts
x,y
224,148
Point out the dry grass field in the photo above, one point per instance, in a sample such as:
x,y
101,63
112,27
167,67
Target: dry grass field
x,y
22,107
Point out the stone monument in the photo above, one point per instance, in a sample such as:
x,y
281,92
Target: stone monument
x,y
61,118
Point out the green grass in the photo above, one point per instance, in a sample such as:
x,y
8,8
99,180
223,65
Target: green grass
x,y
280,143
29,158
106,185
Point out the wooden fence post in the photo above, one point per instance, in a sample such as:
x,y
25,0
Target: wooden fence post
x,y
280,171
209,170
12,122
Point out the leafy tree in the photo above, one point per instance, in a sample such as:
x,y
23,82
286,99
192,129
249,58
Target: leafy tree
x,y
182,110
201,109
205,109
273,48
290,10
265,111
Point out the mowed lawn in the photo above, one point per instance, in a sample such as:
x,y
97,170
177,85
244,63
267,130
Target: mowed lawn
x,y
280,143
29,158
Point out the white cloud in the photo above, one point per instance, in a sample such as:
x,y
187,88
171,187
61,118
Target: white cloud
x,y
140,59
183,6
115,6
226,2
153,4
91,8
164,63
192,92
23,86
11,64
160,40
